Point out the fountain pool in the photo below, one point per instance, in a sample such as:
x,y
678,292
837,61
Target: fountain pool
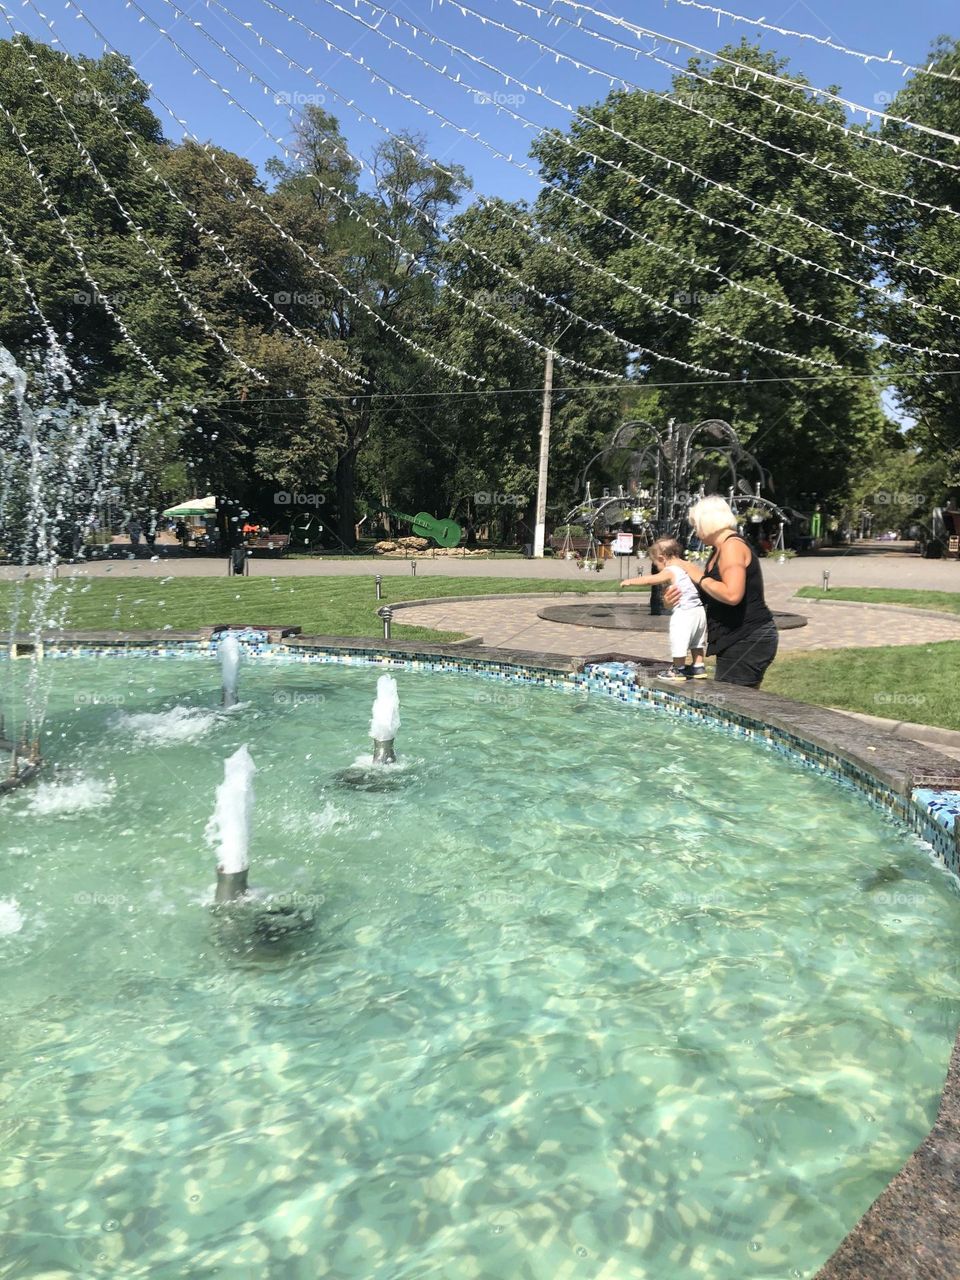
x,y
590,992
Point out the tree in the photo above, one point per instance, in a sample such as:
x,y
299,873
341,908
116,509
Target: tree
x,y
810,434
933,239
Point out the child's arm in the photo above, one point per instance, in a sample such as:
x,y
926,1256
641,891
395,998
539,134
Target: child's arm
x,y
649,580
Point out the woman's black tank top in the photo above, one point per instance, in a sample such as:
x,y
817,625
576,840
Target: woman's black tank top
x,y
728,623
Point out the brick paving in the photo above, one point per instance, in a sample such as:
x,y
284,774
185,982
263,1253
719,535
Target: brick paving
x,y
513,623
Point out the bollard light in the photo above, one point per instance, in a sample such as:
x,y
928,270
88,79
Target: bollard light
x,y
379,581
386,613
825,584
413,567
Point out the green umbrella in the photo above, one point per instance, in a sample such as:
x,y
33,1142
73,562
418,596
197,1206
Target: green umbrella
x,y
193,507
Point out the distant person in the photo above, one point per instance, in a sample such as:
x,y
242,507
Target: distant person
x,y
688,622
134,529
182,533
150,532
740,628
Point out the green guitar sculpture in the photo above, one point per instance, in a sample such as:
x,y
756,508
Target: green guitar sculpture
x,y
446,533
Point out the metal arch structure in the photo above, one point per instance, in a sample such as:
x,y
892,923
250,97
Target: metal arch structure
x,y
671,460
665,469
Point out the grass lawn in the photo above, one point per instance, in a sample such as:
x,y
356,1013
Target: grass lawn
x,y
917,683
944,601
330,606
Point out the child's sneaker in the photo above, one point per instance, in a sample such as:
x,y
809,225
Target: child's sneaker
x,y
677,675
698,672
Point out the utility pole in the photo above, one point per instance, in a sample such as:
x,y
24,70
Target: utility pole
x,y
539,532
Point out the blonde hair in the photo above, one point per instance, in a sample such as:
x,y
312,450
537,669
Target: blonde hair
x,y
666,549
710,515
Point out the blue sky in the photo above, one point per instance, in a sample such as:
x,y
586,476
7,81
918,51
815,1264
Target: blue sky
x,y
907,30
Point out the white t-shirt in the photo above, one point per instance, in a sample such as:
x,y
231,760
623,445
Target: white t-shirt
x,y
689,595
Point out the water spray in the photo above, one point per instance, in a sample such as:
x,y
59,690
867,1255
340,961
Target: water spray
x,y
229,827
385,720
229,653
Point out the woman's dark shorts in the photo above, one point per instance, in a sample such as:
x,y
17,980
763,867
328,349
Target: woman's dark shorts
x,y
746,661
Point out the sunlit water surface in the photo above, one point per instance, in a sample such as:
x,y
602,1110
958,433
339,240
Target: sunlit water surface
x,y
589,992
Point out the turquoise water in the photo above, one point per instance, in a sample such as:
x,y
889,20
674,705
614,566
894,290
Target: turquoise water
x,y
589,993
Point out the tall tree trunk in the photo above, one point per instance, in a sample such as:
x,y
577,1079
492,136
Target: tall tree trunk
x,y
347,495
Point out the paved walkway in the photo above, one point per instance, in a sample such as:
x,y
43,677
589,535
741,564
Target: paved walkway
x,y
870,565
513,624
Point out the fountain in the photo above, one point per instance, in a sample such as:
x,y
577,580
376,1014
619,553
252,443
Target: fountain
x,y
263,919
59,459
367,773
229,826
385,721
229,653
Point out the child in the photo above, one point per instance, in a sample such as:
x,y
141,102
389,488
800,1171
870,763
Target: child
x,y
688,622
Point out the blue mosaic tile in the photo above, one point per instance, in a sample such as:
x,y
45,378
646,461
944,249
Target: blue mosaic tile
x,y
942,805
929,813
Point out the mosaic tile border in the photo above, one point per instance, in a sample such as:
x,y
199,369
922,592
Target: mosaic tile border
x,y
930,813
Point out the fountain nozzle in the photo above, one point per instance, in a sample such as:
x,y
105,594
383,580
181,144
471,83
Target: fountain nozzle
x,y
231,885
383,752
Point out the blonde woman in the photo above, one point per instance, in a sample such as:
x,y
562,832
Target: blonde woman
x,y
740,628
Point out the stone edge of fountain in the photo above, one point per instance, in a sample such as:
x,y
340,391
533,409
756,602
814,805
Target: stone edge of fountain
x,y
917,1216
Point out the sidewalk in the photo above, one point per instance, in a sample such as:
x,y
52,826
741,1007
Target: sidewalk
x,y
512,623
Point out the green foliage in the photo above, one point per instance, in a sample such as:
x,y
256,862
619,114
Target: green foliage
x,y
912,232
418,438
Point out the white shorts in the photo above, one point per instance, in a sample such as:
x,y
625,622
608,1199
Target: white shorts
x,y
688,630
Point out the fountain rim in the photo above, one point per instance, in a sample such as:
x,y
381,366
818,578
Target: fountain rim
x,y
918,1204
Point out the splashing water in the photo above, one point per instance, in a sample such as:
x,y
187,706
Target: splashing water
x,y
229,653
11,917
228,830
385,720
59,459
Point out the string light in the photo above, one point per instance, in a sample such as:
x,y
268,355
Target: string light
x,y
381,321
51,206
904,300
646,32
194,218
10,250
621,226
470,302
616,82
255,205
132,224
470,248
555,19
502,108
888,59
